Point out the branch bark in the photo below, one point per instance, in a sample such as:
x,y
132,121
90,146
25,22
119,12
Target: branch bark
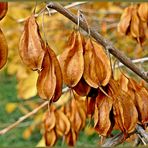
x,y
100,39
119,138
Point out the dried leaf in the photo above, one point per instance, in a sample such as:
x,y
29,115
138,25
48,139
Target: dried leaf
x,y
3,9
27,133
62,123
10,107
71,60
94,71
3,50
103,108
50,138
31,45
125,20
143,11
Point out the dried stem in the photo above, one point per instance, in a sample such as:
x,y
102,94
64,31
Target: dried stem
x,y
100,39
142,133
21,119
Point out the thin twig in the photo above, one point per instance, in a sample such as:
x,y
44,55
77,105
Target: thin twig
x,y
141,60
53,11
21,119
100,39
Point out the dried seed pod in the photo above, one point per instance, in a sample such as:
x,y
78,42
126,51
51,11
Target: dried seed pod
x,y
49,84
135,24
71,60
75,118
3,49
123,83
71,137
82,113
62,123
125,113
143,31
3,9
105,60
82,88
103,108
50,138
46,83
143,11
140,100
94,71
58,73
124,24
124,110
90,104
49,119
31,45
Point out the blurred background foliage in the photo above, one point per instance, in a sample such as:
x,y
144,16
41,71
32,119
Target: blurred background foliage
x,y
18,94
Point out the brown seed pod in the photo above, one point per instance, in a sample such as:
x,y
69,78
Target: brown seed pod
x,y
46,83
58,73
103,108
50,137
75,118
49,119
135,24
105,60
3,49
49,84
124,109
95,72
82,88
62,123
31,45
71,60
90,104
140,100
124,24
71,137
3,9
143,12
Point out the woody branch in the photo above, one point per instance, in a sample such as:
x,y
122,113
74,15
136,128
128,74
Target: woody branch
x,y
100,39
